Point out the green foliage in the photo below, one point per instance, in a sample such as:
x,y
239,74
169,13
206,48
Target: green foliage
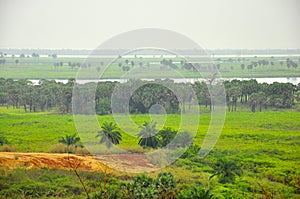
x,y
266,143
3,140
181,140
148,135
226,170
191,152
112,192
50,95
56,67
195,193
141,187
166,185
103,107
109,134
167,135
150,94
42,183
70,140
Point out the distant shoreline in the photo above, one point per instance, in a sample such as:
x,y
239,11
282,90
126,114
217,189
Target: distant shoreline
x,y
213,52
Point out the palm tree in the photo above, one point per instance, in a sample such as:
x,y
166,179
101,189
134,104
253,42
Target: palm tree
x,y
242,66
109,134
257,99
226,171
70,140
148,136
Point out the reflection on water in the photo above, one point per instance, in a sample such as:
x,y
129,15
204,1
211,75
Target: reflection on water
x,y
268,80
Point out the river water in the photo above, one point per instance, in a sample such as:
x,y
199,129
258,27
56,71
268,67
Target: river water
x,y
268,80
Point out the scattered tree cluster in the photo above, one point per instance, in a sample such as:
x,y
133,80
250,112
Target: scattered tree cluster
x,y
51,95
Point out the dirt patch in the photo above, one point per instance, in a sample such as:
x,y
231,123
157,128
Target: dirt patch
x,y
132,163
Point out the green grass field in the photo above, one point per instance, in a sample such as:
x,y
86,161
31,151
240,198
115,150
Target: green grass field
x,y
43,68
265,144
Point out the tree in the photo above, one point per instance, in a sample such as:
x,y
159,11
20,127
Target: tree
x,y
148,135
226,170
141,64
257,99
70,140
132,63
281,63
167,135
242,66
250,67
233,93
109,134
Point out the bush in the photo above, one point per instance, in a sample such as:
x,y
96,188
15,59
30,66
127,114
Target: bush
x,y
3,140
112,192
62,148
195,192
166,185
7,148
182,139
39,183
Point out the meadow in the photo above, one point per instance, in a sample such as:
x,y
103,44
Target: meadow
x,y
266,145
65,68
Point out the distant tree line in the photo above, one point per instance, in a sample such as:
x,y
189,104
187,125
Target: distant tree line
x,y
50,95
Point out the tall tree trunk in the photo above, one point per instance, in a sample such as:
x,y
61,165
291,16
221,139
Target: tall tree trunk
x,y
25,107
253,108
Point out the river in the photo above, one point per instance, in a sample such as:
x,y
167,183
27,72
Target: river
x,y
268,80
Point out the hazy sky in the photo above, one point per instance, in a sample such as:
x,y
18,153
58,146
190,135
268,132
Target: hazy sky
x,y
88,23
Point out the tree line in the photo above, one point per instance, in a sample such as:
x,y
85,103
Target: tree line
x,y
49,95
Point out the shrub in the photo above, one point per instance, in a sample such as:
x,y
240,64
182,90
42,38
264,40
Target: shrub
x,y
195,192
226,170
166,185
112,192
7,148
182,139
3,140
62,148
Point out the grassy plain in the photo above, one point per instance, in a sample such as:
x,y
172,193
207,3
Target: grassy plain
x,y
43,68
265,144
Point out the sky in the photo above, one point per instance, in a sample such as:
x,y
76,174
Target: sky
x,y
213,24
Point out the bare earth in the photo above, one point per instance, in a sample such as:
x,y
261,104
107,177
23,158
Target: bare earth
x,y
132,163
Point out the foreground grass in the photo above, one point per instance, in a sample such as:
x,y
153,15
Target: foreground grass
x,y
266,145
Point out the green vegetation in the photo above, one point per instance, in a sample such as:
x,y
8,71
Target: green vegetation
x,y
257,154
226,171
55,67
70,140
45,183
264,145
52,96
148,136
3,140
109,134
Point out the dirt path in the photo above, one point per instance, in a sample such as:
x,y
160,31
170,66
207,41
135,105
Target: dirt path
x,y
132,163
